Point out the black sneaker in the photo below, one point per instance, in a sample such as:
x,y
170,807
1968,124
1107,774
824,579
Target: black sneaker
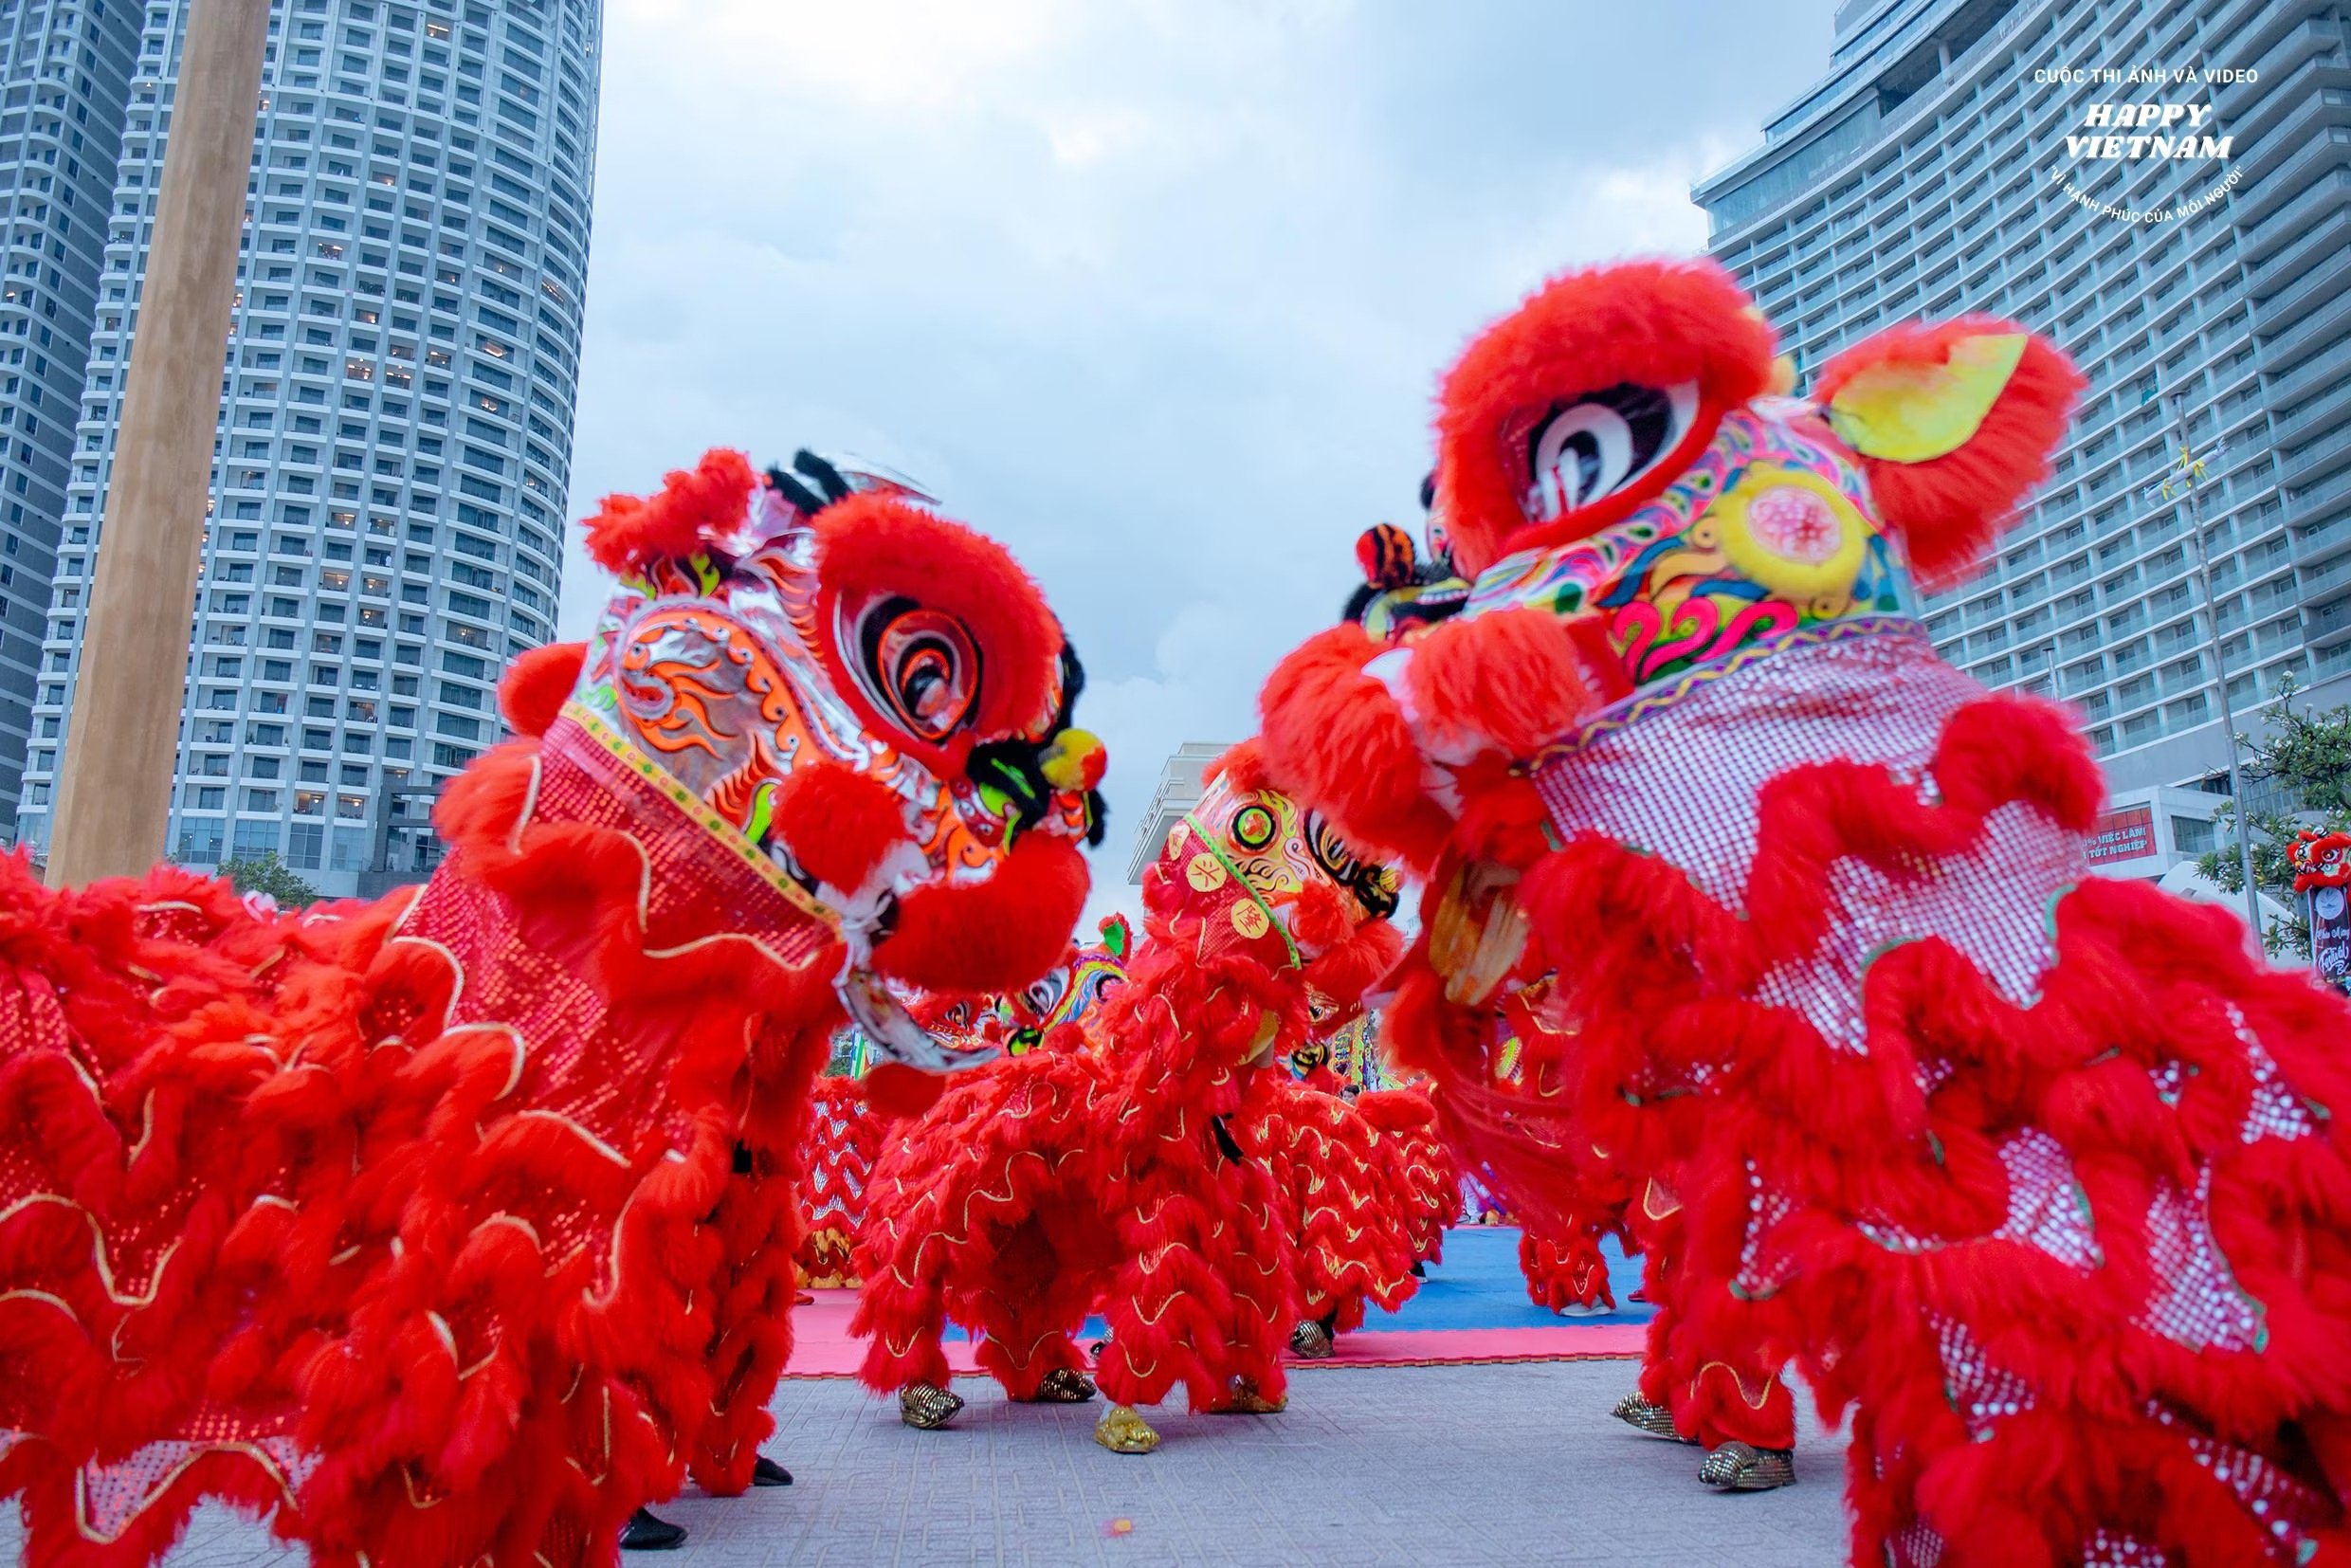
x,y
766,1472
650,1532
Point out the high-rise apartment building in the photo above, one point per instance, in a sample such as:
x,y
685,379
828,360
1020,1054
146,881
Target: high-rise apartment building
x,y
64,87
383,528
1929,173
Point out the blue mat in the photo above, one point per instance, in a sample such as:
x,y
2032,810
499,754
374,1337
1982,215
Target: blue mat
x,y
1478,1285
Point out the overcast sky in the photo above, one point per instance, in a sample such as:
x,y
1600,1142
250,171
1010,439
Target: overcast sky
x,y
1154,291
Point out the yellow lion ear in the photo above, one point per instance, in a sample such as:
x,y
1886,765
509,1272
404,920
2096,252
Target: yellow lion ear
x,y
1900,412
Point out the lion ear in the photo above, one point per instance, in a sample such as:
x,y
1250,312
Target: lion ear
x,y
1954,423
537,684
1901,410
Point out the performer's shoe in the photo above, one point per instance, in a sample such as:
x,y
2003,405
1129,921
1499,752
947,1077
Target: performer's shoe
x,y
1311,1340
766,1472
1585,1309
1420,1270
1063,1386
926,1406
1738,1466
1246,1400
1641,1416
648,1532
1123,1431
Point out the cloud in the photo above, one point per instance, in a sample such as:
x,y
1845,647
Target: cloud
x,y
1155,293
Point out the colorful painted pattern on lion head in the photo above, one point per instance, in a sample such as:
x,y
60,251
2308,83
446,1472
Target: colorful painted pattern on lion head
x,y
1249,869
1071,991
874,698
1622,449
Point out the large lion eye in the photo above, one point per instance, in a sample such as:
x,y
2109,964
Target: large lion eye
x,y
1594,446
919,667
1374,886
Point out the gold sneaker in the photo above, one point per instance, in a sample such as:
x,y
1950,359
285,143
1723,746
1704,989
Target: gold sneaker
x,y
926,1406
1641,1416
1741,1467
1246,1400
1122,1431
1063,1386
1311,1341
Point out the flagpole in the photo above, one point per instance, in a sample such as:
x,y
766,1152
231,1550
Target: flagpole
x,y
113,794
2220,670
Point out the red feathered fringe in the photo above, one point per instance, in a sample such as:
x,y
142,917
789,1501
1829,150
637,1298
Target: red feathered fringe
x,y
630,532
2012,1392
1653,322
1343,1194
439,1189
1045,1186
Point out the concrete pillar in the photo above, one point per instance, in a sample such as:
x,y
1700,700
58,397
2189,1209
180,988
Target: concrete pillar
x,y
113,793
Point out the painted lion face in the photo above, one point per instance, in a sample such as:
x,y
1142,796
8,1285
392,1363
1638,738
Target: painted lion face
x,y
875,698
1244,862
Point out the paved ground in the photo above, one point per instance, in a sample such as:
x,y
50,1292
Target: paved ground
x,y
1462,1465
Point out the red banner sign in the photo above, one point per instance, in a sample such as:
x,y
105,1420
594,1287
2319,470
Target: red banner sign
x,y
2126,834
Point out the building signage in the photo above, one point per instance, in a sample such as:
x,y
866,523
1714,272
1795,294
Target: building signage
x,y
2330,935
2126,834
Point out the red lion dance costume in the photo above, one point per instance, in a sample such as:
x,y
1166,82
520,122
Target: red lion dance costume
x,y
456,1227
2040,1176
845,1140
1049,1185
1344,1175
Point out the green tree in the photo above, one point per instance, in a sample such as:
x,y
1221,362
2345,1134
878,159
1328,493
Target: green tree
x,y
266,873
2307,752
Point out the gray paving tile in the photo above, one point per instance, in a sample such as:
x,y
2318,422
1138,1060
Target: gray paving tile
x,y
1427,1466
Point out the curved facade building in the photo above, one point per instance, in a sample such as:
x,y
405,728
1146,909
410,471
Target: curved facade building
x,y
383,528
65,88
1956,158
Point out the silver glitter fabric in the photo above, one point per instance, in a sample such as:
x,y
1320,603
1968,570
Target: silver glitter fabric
x,y
2274,1111
1989,902
1682,782
1980,1391
2107,1549
2046,1208
2289,1513
2195,1301
1763,1269
1915,1545
112,1496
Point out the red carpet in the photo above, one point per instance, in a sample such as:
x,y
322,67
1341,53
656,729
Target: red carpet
x,y
822,1347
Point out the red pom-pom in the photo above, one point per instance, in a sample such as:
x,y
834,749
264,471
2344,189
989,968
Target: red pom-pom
x,y
628,533
538,684
837,822
899,1091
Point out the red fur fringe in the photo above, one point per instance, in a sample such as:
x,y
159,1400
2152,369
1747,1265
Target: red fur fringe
x,y
630,532
1043,1186
1653,322
1661,981
1334,736
537,684
873,545
996,935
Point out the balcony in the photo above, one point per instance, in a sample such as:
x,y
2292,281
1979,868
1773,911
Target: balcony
x,y
2319,332
2323,274
2283,226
